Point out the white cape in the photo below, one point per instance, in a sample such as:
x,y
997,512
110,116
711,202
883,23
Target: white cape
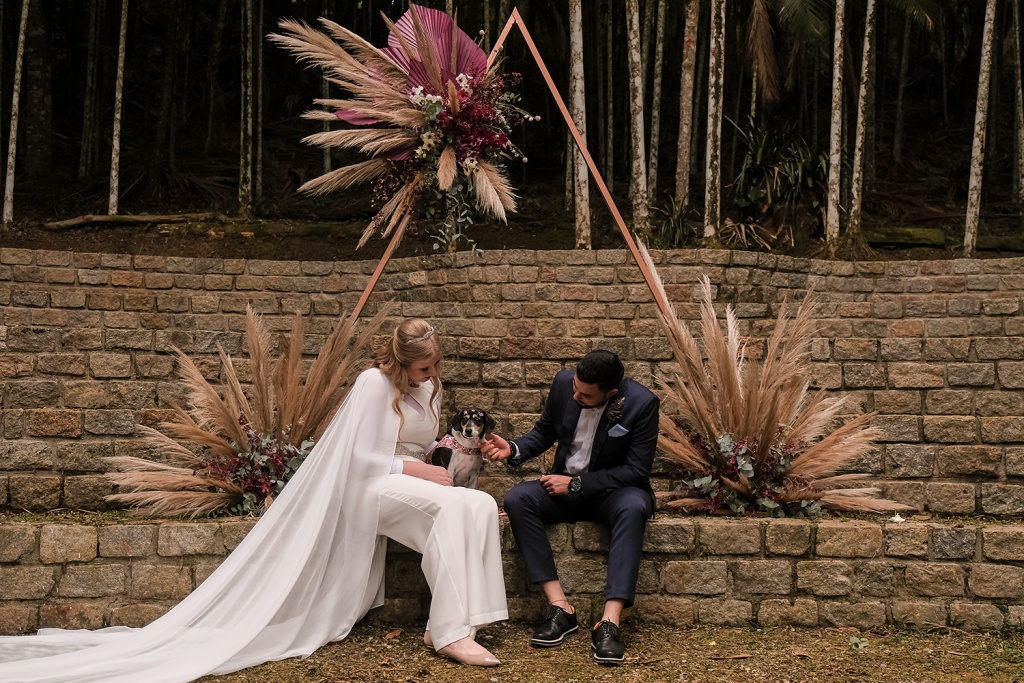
x,y
305,574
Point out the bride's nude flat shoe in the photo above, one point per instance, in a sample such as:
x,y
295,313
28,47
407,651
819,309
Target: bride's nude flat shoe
x,y
481,659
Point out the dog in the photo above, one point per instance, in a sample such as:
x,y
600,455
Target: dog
x,y
459,450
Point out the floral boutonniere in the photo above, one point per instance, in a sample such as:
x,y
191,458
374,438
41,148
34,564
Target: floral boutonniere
x,y
614,411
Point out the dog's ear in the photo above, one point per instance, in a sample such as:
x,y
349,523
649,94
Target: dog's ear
x,y
489,424
456,421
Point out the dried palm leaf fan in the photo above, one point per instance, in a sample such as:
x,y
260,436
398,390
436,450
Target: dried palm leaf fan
x,y
748,433
443,118
247,442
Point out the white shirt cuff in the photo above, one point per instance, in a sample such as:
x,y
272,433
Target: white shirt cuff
x,y
396,466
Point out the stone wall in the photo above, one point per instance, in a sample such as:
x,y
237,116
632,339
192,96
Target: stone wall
x,y
937,347
703,571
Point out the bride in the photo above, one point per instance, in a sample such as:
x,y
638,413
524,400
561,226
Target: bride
x,y
314,563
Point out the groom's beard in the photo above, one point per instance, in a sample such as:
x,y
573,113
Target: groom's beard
x,y
584,406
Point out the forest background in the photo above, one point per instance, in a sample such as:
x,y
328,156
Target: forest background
x,y
747,123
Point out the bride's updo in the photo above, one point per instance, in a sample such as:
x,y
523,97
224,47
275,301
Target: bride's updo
x,y
413,340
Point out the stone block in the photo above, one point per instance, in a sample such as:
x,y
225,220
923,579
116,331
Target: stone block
x,y
762,577
1015,616
876,579
87,492
720,537
26,583
32,394
724,612
803,612
663,609
137,616
25,455
955,498
124,540
849,539
16,620
935,580
233,532
695,578
970,460
669,536
35,492
1000,403
174,540
161,582
1002,429
110,365
908,460
827,577
971,374
59,543
916,375
115,422
897,428
951,543
1002,499
83,456
1003,543
1015,461
580,574
788,537
921,613
93,581
17,542
201,571
898,402
863,375
950,402
950,429
996,581
972,617
862,615
71,616
906,540
1011,375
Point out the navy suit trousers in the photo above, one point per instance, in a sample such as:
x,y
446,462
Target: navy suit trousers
x,y
624,511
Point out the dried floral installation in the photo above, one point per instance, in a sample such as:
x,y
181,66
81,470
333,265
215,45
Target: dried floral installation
x,y
749,436
248,442
445,118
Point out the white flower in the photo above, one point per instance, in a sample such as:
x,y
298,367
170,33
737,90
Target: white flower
x,y
463,80
416,95
896,518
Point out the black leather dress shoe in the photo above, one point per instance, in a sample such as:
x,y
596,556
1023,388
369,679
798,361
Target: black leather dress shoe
x,y
607,645
556,628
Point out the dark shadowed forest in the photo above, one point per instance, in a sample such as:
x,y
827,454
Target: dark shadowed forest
x,y
910,170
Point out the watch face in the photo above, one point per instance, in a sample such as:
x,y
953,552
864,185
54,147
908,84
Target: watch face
x,y
575,484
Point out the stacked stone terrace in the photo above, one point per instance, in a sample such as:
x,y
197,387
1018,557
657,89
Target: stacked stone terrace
x,y
937,347
704,571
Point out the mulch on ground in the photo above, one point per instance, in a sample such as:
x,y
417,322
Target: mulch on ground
x,y
378,652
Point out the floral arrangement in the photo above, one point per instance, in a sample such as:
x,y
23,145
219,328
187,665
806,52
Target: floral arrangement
x,y
747,436
448,119
245,443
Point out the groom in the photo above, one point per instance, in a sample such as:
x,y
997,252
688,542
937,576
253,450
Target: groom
x,y
606,426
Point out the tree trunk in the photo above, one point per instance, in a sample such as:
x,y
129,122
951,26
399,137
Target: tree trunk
x,y
156,162
942,61
647,33
659,51
897,138
609,135
713,158
115,146
449,7
686,111
325,93
487,26
245,146
12,140
503,13
870,121
815,96
259,101
85,151
211,72
698,144
980,120
39,96
570,170
856,194
1018,166
836,137
579,116
641,223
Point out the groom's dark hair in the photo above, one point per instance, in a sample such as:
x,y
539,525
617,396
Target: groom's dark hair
x,y
602,368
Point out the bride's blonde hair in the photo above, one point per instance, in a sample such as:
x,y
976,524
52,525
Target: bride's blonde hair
x,y
413,340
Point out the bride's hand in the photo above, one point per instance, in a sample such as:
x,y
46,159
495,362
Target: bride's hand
x,y
422,470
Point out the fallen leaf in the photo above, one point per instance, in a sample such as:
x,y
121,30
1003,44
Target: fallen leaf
x,y
742,655
248,234
393,635
800,653
958,654
921,518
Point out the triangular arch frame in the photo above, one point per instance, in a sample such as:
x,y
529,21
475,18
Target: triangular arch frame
x,y
515,19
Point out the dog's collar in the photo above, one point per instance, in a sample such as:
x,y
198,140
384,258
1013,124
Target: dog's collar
x,y
451,442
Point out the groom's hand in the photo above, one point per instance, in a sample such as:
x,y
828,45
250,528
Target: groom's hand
x,y
555,484
496,448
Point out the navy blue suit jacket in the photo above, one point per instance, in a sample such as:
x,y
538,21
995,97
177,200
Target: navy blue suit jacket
x,y
616,461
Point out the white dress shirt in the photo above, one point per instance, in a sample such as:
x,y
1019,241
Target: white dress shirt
x,y
582,444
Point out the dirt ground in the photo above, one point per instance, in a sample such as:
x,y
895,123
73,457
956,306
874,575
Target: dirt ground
x,y
376,652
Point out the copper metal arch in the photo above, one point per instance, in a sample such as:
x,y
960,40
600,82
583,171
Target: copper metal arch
x,y
516,20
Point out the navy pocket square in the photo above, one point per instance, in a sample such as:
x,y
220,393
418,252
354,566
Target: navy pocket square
x,y
618,430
